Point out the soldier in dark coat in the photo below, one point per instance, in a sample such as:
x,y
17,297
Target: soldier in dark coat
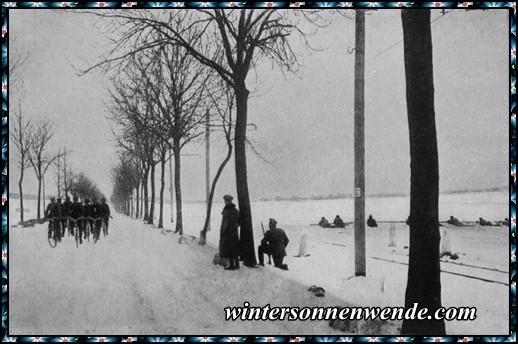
x,y
66,212
277,241
371,222
324,223
338,222
229,236
90,214
76,211
52,212
62,216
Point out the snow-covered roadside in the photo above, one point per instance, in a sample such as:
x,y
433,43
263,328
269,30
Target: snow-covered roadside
x,y
147,279
140,282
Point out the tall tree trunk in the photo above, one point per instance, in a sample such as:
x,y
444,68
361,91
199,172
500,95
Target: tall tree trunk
x,y
39,193
162,186
146,196
151,219
178,187
137,203
245,214
424,276
21,195
132,213
142,215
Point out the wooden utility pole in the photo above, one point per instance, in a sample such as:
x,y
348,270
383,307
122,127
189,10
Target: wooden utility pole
x,y
207,161
359,145
171,182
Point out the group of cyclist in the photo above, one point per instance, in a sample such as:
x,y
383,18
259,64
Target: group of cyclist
x,y
76,214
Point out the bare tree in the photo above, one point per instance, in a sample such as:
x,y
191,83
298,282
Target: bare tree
x,y
21,136
224,106
424,271
171,86
39,156
240,38
83,187
17,62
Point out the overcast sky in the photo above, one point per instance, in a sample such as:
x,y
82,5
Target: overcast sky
x,y
304,122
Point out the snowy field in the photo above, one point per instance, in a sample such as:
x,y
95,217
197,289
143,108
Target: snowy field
x,y
138,281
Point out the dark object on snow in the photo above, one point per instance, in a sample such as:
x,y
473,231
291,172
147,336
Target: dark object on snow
x,y
229,236
453,256
454,221
217,260
405,247
324,223
483,222
338,222
317,291
28,223
371,222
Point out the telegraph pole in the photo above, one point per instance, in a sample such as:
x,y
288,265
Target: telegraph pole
x,y
359,145
171,182
207,160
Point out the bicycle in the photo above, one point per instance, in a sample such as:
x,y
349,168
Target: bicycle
x,y
88,229
97,226
77,230
55,232
95,229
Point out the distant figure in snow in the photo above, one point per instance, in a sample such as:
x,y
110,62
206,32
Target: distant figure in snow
x,y
277,241
454,221
371,222
484,222
338,222
324,223
229,236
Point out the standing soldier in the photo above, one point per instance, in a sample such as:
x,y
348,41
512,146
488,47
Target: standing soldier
x,y
229,236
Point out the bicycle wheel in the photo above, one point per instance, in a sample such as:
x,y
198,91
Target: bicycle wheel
x,y
52,238
96,233
87,229
76,236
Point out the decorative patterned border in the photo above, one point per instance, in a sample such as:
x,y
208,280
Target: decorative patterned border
x,y
512,152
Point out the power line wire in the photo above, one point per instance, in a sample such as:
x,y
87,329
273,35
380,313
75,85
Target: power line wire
x,y
444,13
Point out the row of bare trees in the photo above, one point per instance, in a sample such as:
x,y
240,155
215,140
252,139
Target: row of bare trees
x,y
32,140
230,43
160,103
